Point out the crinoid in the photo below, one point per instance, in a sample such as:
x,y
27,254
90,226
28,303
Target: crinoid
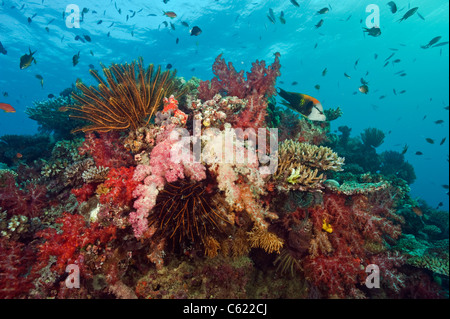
x,y
128,98
187,211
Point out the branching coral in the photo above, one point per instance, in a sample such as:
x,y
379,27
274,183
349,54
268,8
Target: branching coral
x,y
128,98
261,238
299,163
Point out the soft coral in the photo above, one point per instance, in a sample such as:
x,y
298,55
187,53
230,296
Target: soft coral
x,y
16,201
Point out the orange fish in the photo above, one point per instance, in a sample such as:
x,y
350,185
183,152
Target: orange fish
x,y
170,14
19,155
418,211
7,108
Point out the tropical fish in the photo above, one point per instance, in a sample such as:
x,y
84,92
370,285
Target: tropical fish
x,y
185,24
347,76
356,64
440,205
88,38
419,153
324,72
168,66
41,79
304,104
417,211
317,87
2,49
294,83
374,32
295,3
439,122
19,155
318,25
393,6
364,89
50,96
27,59
431,43
282,19
100,22
409,14
323,10
196,31
271,16
440,44
420,16
405,149
445,186
7,108
429,140
443,141
76,58
170,14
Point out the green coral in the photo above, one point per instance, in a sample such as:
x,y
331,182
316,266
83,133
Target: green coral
x,y
50,119
436,264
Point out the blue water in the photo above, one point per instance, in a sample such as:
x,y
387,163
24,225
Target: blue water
x,y
243,33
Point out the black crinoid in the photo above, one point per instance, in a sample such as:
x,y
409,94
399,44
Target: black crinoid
x,y
188,212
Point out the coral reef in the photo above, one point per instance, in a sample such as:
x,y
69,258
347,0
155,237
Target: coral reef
x,y
150,204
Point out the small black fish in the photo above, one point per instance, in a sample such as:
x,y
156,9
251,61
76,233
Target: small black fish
x,y
88,38
317,87
324,72
323,10
185,24
445,186
419,153
318,25
431,43
295,3
443,141
294,83
382,97
50,96
440,44
393,6
356,64
409,14
440,205
439,122
373,32
195,31
347,76
271,15
177,40
100,22
405,149
76,58
429,140
168,66
91,66
29,20
2,49
282,19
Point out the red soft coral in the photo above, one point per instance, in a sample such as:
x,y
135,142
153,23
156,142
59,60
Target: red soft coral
x,y
121,186
67,244
107,149
355,224
16,201
14,262
260,81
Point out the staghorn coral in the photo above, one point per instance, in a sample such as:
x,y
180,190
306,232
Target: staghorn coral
x,y
354,188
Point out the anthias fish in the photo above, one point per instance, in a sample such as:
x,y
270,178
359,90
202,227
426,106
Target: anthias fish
x,y
7,108
306,105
